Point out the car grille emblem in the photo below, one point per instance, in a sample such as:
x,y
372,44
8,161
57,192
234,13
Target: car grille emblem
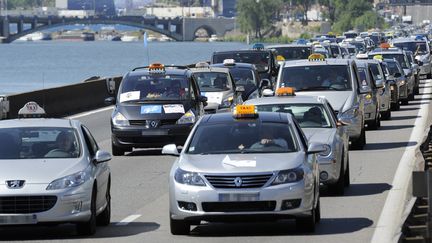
x,y
152,123
15,184
238,181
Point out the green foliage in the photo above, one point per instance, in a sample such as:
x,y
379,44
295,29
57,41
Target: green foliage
x,y
306,35
28,4
255,15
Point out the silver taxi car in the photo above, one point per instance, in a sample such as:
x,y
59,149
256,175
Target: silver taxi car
x,y
318,121
244,166
52,171
335,79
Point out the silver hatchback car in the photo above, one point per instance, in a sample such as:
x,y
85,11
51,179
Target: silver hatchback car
x,y
242,167
52,171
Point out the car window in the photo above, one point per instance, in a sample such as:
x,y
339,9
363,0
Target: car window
x,y
307,115
212,81
242,137
90,141
418,48
261,59
317,77
39,142
294,53
154,87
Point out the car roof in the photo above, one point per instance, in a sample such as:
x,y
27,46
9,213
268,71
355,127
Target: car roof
x,y
392,50
168,71
301,99
328,61
38,122
406,39
244,50
236,65
227,117
210,69
289,45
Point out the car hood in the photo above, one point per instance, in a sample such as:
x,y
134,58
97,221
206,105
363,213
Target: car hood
x,y
240,163
38,171
320,135
337,99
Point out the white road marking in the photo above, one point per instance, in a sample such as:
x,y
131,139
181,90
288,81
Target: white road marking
x,y
128,220
91,112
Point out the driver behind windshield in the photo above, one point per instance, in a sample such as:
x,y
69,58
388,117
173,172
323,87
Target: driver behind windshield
x,y
268,138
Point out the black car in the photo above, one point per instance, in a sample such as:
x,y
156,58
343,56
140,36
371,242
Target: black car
x,y
155,106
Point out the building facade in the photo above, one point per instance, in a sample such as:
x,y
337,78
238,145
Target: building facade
x,y
101,7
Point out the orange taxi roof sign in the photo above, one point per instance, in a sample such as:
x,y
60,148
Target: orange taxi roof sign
x,y
385,45
245,111
316,57
285,91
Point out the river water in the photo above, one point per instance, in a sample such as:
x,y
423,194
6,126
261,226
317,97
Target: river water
x,y
27,66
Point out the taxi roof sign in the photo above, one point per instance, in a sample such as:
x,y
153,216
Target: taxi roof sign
x,y
316,57
202,65
285,91
385,45
258,46
280,58
156,68
229,62
378,57
245,111
31,110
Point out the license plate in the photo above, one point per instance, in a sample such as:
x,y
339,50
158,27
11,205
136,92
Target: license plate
x,y
158,132
18,219
238,197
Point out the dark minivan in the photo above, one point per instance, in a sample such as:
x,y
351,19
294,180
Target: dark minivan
x,y
155,106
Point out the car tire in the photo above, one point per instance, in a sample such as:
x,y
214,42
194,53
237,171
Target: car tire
x,y
339,187
375,124
307,224
104,218
347,174
179,227
89,227
116,150
360,142
386,115
411,97
404,101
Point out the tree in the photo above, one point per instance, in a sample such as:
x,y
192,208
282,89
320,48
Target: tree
x,y
256,15
305,6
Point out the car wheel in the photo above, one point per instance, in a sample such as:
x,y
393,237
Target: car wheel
x,y
179,227
307,224
89,227
339,187
386,115
104,218
395,106
116,150
404,101
360,142
347,174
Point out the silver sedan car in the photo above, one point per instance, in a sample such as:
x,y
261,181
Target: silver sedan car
x,y
318,121
244,167
52,171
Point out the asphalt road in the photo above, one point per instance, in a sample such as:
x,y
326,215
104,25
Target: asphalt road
x,y
140,194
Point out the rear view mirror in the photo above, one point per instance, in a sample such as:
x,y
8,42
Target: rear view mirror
x,y
420,63
170,149
240,89
102,156
110,101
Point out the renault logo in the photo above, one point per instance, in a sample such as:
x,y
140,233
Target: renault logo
x,y
238,181
15,184
152,123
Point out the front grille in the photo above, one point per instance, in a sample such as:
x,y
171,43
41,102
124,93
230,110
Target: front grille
x,y
247,181
137,122
258,206
26,204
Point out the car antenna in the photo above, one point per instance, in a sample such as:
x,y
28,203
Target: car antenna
x,y
43,90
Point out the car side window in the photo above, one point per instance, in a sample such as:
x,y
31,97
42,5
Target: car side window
x,y
356,76
193,89
90,141
332,111
303,138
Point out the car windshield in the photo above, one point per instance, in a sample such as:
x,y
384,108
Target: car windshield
x,y
399,57
244,76
212,81
352,50
38,143
242,137
418,48
375,71
308,115
261,59
359,46
294,53
314,78
363,77
154,87
393,68
335,50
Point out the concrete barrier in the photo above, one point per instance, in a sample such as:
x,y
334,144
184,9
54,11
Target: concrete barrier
x,y
400,200
65,100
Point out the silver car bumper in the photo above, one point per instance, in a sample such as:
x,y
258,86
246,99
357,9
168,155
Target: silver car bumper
x,y
301,191
71,205
403,91
425,69
331,168
370,111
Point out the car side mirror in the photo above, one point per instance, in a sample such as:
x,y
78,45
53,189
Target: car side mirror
x,y
203,99
267,92
315,148
397,75
110,101
102,156
343,122
420,63
265,83
379,83
170,149
240,89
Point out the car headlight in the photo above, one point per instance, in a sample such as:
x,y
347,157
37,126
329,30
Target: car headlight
x,y
187,118
403,82
120,120
392,87
227,102
350,113
288,176
73,180
368,98
327,151
188,178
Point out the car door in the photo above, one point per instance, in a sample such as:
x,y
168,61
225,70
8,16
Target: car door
x,y
100,171
195,94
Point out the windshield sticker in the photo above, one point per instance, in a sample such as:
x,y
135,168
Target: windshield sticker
x,y
213,97
148,109
133,95
173,109
239,163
